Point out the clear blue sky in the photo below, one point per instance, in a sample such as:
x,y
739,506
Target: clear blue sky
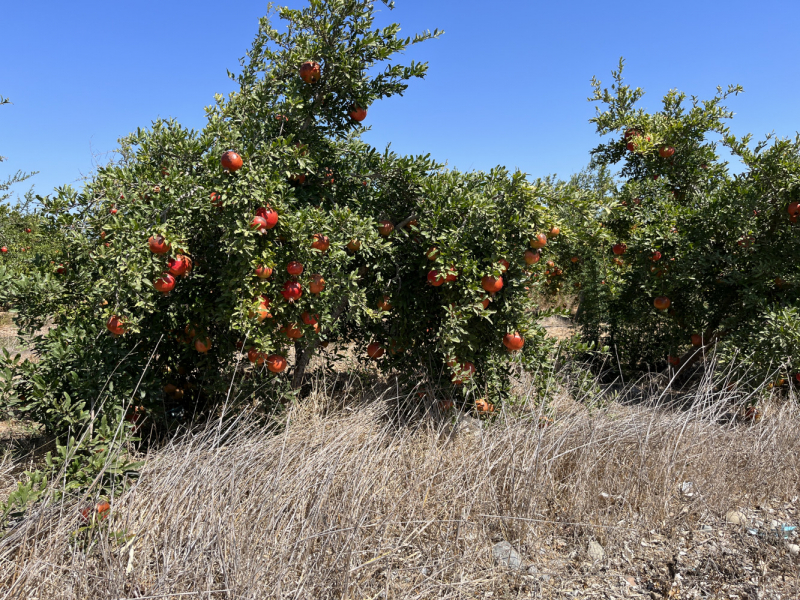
x,y
507,84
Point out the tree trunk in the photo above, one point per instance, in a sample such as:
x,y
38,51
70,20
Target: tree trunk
x,y
303,354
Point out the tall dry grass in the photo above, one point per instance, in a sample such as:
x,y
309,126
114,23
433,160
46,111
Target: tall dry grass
x,y
357,502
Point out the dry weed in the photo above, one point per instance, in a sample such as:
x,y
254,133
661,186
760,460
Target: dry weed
x,y
345,504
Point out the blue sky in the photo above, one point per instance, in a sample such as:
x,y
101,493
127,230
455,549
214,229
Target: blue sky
x,y
507,84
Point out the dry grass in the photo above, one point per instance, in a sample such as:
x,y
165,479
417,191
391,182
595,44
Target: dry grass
x,y
350,503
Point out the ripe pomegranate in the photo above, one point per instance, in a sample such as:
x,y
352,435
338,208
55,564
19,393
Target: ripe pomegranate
x,y
358,114
513,341
531,257
231,161
662,303
292,331
574,259
666,151
485,302
294,268
554,231
28,230
386,228
697,339
269,215
435,278
793,209
276,363
321,242
113,211
202,346
656,256
673,360
158,245
60,269
309,319
619,249
492,284
297,179
504,264
310,71
180,265
255,357
482,406
374,351
551,264
116,325
354,245
384,304
258,223
164,284
263,272
317,284
291,291
216,199
540,241
263,310
466,371
631,136
452,275
432,253
4,249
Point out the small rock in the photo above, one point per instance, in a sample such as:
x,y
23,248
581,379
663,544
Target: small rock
x,y
426,571
532,570
735,517
773,524
505,555
706,528
630,581
794,548
595,551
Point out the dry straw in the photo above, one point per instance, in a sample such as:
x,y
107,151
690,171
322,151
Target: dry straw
x,y
354,502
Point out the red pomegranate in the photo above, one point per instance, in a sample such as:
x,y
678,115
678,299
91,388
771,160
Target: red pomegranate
x,y
435,278
164,284
317,284
466,371
492,284
358,114
116,325
291,291
374,351
513,341
294,268
321,242
662,303
158,245
292,331
385,228
276,363
310,71
179,265
540,241
255,357
231,161
263,272
531,257
258,223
